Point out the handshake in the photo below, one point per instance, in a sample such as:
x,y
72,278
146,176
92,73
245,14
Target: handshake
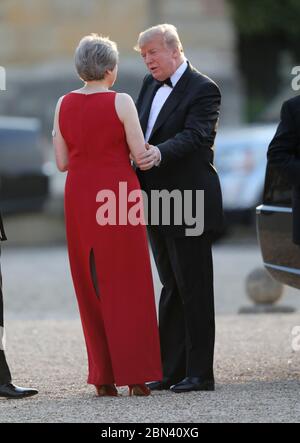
x,y
148,159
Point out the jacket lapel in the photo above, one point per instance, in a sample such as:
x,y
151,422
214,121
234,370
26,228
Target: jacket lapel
x,y
148,99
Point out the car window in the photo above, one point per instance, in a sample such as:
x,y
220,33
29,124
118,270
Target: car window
x,y
19,150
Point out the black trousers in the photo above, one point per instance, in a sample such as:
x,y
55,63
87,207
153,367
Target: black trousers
x,y
186,308
5,376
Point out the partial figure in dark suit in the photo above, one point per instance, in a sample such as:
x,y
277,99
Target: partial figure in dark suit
x,y
284,154
179,111
7,389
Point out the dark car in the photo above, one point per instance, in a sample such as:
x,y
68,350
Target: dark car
x,y
24,184
281,256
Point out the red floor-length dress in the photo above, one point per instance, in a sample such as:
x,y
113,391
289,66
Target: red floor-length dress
x,y
118,314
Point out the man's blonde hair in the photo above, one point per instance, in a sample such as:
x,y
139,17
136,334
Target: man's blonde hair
x,y
167,31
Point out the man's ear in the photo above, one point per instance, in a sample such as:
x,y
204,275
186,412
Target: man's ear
x,y
176,52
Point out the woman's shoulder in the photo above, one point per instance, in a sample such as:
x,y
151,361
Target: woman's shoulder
x,y
124,96
124,100
66,98
124,105
59,102
69,95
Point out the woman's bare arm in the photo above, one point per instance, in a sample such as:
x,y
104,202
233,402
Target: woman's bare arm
x,y
128,115
60,146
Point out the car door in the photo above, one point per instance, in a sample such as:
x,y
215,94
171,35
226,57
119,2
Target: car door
x,y
281,256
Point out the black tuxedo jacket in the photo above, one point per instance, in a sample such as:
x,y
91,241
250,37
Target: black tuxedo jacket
x,y
184,132
2,232
284,154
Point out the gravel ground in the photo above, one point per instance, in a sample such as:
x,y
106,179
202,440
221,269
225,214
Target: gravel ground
x,y
41,276
257,371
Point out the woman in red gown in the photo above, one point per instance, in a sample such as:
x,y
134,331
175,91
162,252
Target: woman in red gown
x,y
95,130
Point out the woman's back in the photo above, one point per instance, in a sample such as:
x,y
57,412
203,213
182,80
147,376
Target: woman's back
x,y
92,130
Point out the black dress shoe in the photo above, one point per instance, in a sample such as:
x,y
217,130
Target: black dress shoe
x,y
159,385
193,384
11,391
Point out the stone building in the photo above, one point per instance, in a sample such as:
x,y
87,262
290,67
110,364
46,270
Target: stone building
x,y
38,38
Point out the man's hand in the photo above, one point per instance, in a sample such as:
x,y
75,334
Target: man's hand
x,y
149,158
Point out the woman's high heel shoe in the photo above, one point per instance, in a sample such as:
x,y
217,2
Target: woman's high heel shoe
x,y
139,390
106,391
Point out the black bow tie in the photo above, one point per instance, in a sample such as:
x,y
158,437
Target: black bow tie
x,y
165,82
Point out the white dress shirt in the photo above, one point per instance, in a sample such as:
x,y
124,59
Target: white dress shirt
x,y
161,97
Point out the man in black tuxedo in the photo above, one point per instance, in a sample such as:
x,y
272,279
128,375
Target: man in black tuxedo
x,y
7,389
284,154
179,111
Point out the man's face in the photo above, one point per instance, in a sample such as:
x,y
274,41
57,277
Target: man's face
x,y
159,59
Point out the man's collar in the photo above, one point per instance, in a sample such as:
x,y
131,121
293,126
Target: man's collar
x,y
179,72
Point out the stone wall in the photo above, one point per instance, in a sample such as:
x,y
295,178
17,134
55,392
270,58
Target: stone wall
x,y
38,38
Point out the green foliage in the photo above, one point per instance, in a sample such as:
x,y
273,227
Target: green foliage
x,y
254,17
